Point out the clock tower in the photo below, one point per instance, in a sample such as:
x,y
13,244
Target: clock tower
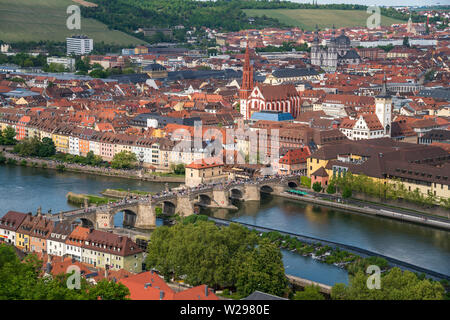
x,y
383,108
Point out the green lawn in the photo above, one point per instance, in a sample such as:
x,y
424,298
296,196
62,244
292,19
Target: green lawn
x,y
308,18
34,20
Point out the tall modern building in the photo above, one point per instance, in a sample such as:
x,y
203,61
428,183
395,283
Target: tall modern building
x,y
79,45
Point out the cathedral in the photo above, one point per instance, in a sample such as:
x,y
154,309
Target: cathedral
x,y
338,52
266,97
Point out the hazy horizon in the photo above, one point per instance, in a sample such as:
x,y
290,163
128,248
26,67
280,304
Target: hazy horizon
x,y
380,2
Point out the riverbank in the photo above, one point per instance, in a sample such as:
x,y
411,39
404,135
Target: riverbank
x,y
322,244
87,199
85,169
297,281
120,193
389,212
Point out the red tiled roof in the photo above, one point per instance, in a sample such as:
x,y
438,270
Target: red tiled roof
x,y
209,163
147,286
150,286
295,156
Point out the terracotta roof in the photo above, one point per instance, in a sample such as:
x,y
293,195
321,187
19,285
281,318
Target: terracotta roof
x,y
278,92
150,286
295,156
372,121
147,286
12,220
77,236
321,172
209,163
111,243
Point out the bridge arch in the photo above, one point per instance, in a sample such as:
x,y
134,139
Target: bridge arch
x,y
204,199
168,208
236,193
266,189
125,217
85,222
292,184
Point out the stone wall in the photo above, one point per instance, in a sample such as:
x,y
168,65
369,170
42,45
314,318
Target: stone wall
x,y
434,210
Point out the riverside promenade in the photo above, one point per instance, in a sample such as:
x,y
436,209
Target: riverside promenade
x,y
86,169
372,209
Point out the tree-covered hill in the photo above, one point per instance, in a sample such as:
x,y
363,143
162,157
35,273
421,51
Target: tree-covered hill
x,y
226,15
128,15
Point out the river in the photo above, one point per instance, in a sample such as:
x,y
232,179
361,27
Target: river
x,y
419,245
25,189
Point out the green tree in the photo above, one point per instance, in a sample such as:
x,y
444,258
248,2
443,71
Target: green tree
x,y
347,192
395,285
331,189
309,293
226,257
262,270
23,280
28,147
93,159
9,136
179,169
406,41
305,181
317,187
47,148
98,73
124,160
2,158
82,64
108,290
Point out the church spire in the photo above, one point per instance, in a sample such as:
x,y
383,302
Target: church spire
x,y
316,34
333,33
247,83
384,92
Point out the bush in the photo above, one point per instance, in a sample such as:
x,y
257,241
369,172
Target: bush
x,y
347,192
194,218
11,161
2,158
23,163
305,181
317,187
309,293
61,167
331,189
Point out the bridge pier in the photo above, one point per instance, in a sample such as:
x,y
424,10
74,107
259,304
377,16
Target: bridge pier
x,y
220,197
104,220
252,193
184,206
278,189
146,216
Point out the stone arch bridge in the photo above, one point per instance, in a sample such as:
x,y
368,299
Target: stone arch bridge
x,y
140,213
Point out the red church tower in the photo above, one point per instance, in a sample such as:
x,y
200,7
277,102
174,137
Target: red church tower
x,y
247,84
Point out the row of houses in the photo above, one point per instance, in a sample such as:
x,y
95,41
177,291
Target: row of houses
x,y
416,166
98,248
158,152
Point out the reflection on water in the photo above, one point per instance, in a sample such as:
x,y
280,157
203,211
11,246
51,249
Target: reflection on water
x,y
25,189
419,245
308,268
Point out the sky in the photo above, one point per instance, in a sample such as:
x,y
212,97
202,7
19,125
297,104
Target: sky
x,y
381,2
